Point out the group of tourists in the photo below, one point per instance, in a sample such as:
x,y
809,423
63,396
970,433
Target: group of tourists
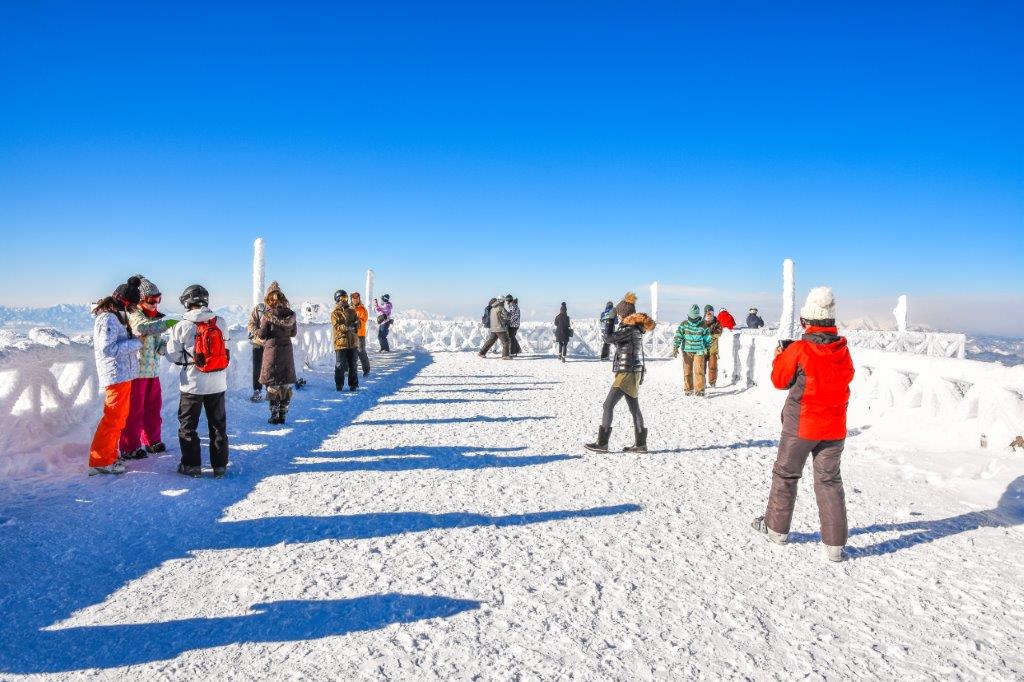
x,y
502,320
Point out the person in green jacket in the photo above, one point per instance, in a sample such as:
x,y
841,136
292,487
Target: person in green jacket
x,y
695,340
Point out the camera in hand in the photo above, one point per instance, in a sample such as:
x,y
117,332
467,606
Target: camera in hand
x,y
784,343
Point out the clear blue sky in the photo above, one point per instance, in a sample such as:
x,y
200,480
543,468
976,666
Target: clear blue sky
x,y
562,153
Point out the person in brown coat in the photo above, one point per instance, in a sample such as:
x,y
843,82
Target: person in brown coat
x,y
626,307
345,324
277,373
714,328
253,327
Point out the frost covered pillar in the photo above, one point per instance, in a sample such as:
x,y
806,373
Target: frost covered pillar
x,y
787,323
654,301
259,272
369,291
900,311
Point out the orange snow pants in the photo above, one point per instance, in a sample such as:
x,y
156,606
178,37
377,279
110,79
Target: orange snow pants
x,y
103,451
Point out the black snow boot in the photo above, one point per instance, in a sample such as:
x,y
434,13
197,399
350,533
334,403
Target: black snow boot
x,y
282,411
641,442
273,412
601,445
193,471
159,446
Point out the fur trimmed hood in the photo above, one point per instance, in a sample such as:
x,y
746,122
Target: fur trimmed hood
x,y
639,319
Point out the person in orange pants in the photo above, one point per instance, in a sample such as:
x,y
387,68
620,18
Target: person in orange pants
x,y
117,363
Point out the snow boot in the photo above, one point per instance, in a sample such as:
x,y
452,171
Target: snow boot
x,y
138,453
156,447
761,527
282,411
300,384
273,412
835,553
115,468
193,471
218,472
601,445
641,442
257,396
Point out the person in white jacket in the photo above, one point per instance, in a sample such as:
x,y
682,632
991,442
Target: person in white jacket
x,y
199,344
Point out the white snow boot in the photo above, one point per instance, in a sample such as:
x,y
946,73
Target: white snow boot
x,y
835,553
761,527
115,468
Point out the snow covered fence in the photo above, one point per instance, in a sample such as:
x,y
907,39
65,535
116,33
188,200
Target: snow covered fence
x,y
933,344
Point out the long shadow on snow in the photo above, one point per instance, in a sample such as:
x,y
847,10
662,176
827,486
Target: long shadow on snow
x,y
445,458
450,401
449,420
474,390
109,646
1008,512
731,446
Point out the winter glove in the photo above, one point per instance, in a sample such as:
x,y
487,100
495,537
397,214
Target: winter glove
x,y
170,322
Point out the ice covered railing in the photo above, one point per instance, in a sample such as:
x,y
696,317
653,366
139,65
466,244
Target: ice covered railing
x,y
933,344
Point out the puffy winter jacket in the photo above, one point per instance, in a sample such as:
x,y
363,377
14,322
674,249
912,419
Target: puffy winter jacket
x,y
714,328
515,317
149,331
817,370
253,325
608,318
276,331
182,339
384,309
345,325
693,337
362,314
116,351
754,321
499,319
726,319
629,349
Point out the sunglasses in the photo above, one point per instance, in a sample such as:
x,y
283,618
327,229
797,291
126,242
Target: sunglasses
x,y
151,300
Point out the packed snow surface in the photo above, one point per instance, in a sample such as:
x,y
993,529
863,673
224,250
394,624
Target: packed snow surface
x,y
444,523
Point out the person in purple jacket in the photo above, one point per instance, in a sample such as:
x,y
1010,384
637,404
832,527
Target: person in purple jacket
x,y
384,321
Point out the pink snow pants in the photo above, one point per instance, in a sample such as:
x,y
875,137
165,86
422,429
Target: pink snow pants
x,y
144,421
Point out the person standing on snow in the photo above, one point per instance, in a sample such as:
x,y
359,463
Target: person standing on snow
x,y
141,433
199,345
695,341
754,320
253,327
726,319
628,367
714,328
345,325
817,371
117,363
277,328
498,325
363,316
563,331
607,328
384,321
515,319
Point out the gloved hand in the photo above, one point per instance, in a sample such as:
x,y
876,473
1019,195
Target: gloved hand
x,y
170,322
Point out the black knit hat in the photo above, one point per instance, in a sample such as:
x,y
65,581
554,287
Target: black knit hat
x,y
128,293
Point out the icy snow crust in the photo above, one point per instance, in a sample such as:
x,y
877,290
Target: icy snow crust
x,y
443,523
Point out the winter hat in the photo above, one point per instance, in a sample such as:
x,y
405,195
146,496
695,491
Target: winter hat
x,y
753,311
386,297
630,297
609,304
128,293
820,306
508,297
694,312
709,308
273,286
147,288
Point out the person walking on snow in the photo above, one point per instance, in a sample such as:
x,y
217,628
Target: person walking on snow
x,y
363,316
384,321
498,325
141,433
345,325
563,331
117,363
754,320
607,328
714,328
277,328
628,367
253,327
695,341
817,371
726,319
515,319
199,345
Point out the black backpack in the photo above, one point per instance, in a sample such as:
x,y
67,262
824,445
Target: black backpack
x,y
486,319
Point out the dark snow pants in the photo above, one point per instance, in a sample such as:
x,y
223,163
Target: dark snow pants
x,y
190,406
382,336
257,366
614,396
828,486
515,348
364,359
345,361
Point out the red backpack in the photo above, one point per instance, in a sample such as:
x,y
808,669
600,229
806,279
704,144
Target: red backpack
x,y
210,353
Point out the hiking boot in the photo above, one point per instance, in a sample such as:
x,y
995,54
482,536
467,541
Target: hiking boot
x,y
257,396
115,468
300,384
159,446
761,527
193,471
601,445
641,442
273,412
138,453
835,553
218,472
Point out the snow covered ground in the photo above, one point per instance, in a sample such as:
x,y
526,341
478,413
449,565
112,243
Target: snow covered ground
x,y
444,523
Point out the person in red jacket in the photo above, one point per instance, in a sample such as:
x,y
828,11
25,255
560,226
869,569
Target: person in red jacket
x,y
726,319
817,371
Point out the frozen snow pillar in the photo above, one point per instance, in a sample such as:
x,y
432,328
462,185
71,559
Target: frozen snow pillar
x,y
654,301
787,323
259,272
369,290
900,311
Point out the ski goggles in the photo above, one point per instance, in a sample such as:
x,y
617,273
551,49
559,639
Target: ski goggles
x,y
151,300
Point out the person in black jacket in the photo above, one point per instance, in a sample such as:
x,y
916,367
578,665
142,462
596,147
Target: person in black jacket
x,y
628,366
562,331
754,320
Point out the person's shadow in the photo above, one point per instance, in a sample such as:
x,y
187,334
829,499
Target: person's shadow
x,y
1008,512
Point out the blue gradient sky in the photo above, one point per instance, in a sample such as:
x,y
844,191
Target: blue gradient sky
x,y
562,153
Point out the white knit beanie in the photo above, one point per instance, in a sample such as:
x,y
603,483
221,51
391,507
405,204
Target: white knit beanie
x,y
820,305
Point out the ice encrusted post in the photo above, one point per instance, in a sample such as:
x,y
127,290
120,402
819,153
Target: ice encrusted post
x,y
654,301
259,272
787,323
900,311
369,291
